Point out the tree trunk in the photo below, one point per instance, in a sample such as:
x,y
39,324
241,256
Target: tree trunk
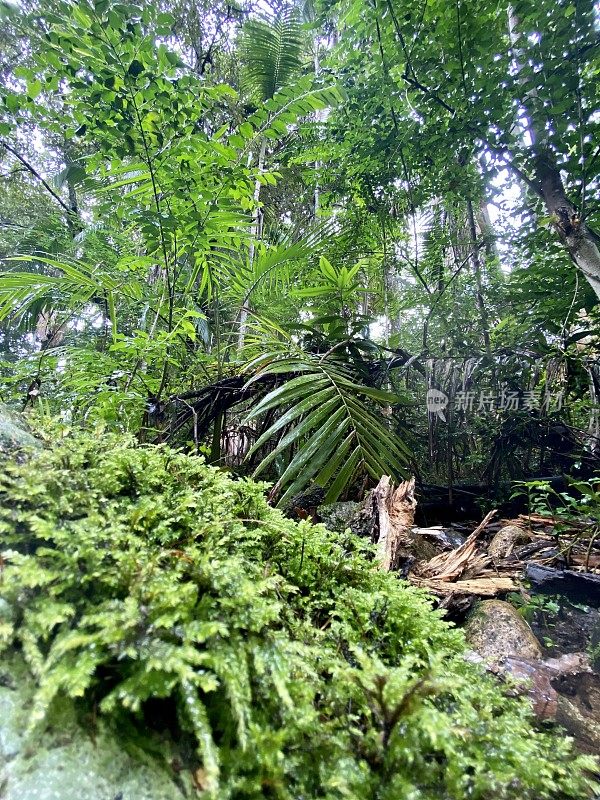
x,y
476,261
580,241
255,231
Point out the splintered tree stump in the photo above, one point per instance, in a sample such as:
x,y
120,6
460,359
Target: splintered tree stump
x,y
395,516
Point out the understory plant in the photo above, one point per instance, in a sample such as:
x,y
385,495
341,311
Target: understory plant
x,y
140,578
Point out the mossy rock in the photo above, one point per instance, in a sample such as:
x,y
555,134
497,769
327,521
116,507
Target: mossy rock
x,y
496,630
68,761
337,516
14,433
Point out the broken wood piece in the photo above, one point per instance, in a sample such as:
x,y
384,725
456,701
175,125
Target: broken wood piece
x,y
482,587
578,587
449,566
538,519
396,516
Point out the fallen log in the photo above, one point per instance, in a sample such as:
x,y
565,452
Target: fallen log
x,y
481,587
579,587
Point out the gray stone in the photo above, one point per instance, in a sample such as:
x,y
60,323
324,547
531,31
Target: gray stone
x,y
7,612
66,762
14,434
579,709
506,538
496,630
337,516
11,734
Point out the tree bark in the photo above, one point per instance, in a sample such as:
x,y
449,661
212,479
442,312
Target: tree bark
x,y
476,261
581,242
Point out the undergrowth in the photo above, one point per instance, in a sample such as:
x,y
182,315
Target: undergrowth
x,y
139,577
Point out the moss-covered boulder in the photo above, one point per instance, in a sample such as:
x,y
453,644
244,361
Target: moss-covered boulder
x,y
169,601
14,433
496,630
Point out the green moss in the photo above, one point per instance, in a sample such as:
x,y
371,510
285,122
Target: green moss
x,y
297,670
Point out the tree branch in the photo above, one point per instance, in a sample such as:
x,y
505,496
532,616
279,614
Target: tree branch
x,y
32,170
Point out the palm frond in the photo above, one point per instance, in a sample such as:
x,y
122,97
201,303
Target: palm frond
x,y
272,52
70,286
275,263
329,425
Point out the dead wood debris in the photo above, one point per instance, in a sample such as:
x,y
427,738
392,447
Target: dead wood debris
x,y
492,560
395,518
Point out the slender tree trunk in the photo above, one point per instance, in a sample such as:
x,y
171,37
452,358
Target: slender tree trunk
x,y
255,231
581,242
476,261
318,117
487,230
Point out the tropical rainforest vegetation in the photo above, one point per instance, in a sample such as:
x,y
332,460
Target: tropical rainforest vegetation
x,y
266,238
264,232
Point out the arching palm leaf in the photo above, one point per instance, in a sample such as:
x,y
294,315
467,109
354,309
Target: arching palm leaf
x,y
272,50
331,423
275,262
71,287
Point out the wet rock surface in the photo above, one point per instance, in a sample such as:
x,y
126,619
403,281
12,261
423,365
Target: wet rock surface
x,y
496,630
506,539
338,516
67,762
563,687
579,708
14,432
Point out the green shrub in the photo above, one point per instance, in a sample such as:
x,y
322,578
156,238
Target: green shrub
x,y
152,587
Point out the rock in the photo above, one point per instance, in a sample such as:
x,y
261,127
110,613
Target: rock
x,y
534,678
424,543
337,516
7,612
496,630
507,537
14,433
539,678
579,709
424,547
67,762
562,690
430,542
